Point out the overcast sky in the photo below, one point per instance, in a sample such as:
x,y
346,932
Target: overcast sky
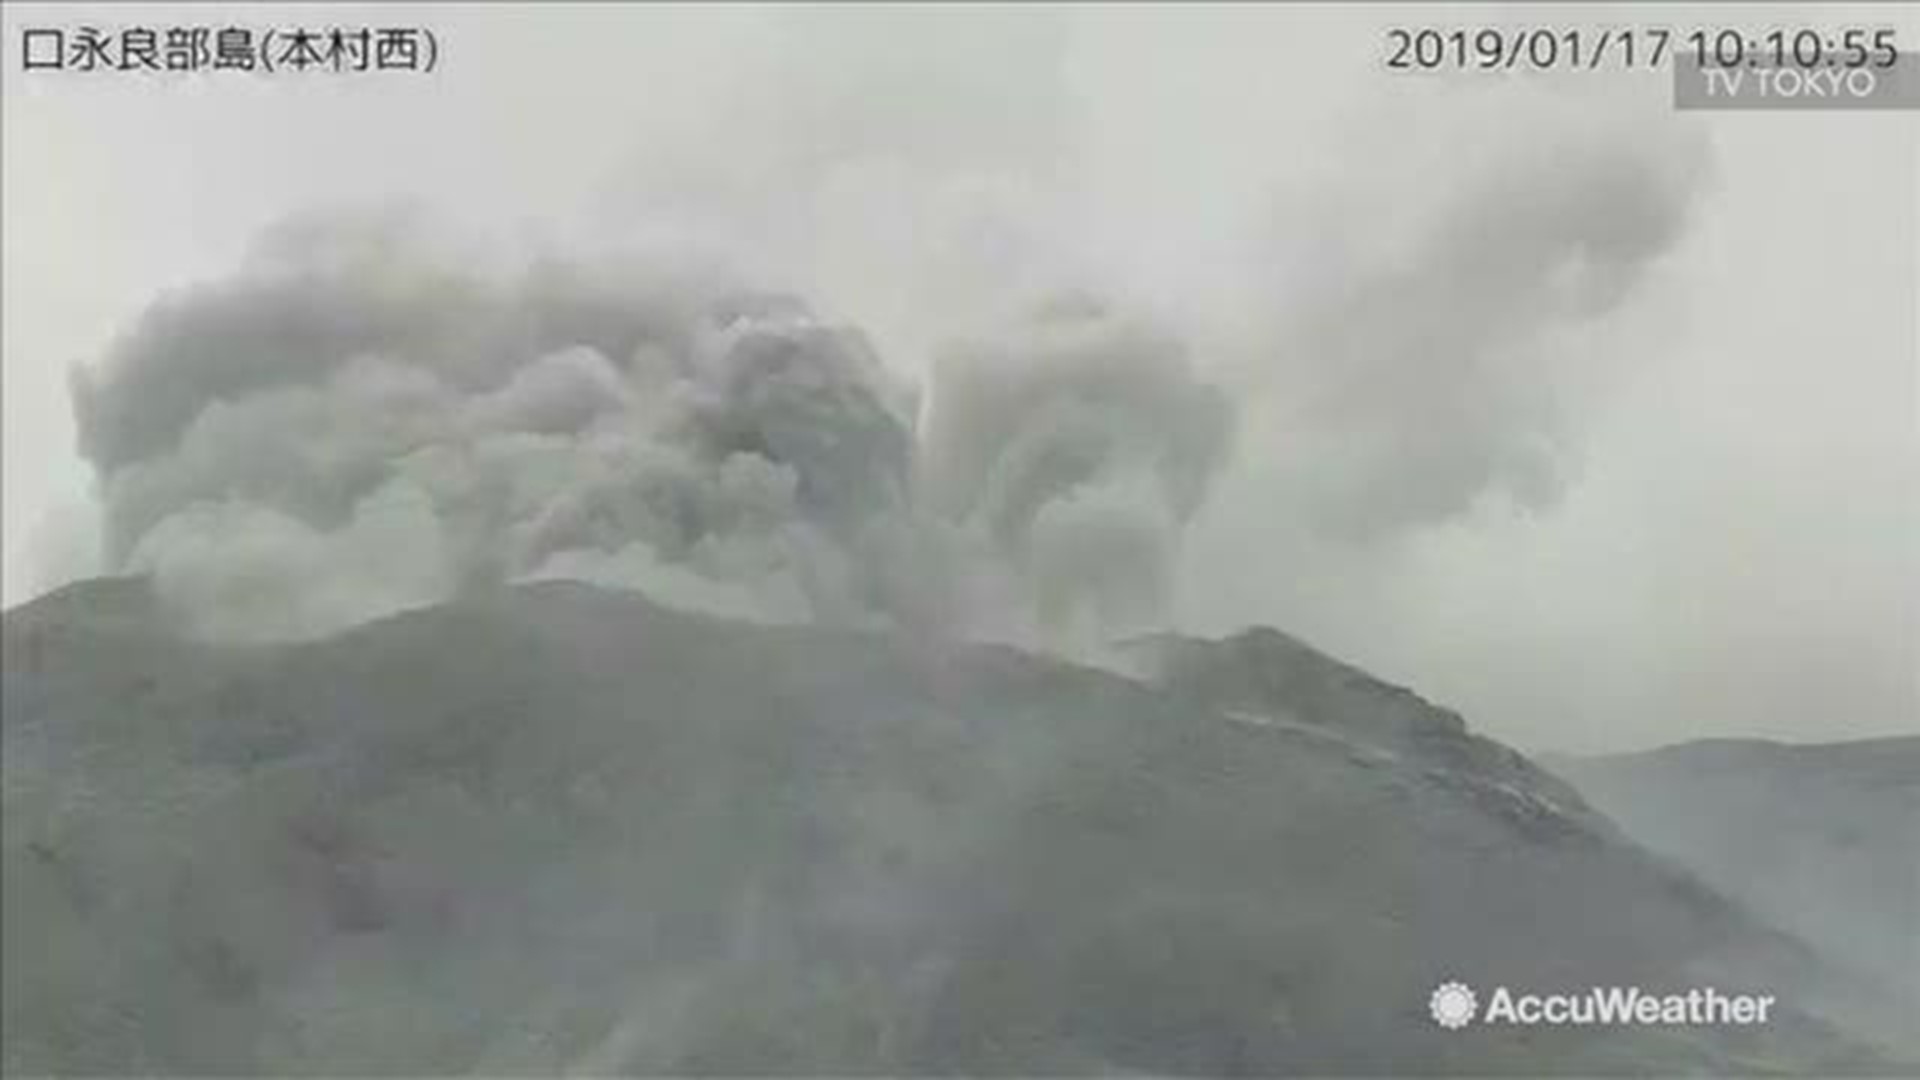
x,y
1672,498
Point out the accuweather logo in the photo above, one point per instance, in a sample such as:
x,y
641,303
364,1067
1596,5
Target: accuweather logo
x,y
1454,1005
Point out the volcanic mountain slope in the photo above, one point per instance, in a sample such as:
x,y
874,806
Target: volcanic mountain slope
x,y
1821,840
557,829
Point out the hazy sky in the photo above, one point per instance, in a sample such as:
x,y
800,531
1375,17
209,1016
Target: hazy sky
x,y
1666,489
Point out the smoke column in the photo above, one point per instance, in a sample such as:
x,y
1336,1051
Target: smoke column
x,y
355,424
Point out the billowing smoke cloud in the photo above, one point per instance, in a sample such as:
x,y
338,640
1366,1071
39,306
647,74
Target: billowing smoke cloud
x,y
361,420
356,425
1075,444
1480,336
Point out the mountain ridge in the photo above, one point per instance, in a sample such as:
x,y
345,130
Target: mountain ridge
x,y
1822,840
556,828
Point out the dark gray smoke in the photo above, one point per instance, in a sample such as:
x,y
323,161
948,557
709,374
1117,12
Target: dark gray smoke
x,y
358,423
1075,444
355,424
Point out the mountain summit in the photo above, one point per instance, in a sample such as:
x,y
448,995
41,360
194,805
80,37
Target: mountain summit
x,y
558,829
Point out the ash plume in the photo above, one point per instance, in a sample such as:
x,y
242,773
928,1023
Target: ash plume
x,y
361,420
1074,444
357,424
354,425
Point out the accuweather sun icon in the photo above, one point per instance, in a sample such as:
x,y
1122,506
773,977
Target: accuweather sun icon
x,y
1452,1005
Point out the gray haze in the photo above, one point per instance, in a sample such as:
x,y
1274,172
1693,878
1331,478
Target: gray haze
x,y
1821,841
1593,422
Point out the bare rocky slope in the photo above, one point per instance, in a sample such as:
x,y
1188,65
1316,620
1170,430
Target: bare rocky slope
x,y
558,829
